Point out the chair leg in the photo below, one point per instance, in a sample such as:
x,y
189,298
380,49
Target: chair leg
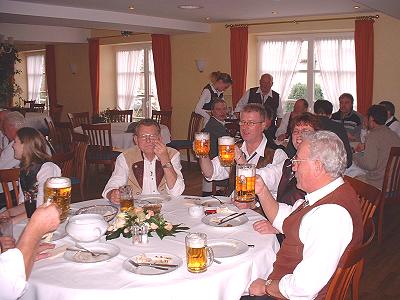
x,y
356,280
380,221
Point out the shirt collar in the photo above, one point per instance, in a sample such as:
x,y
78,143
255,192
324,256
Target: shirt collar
x,y
322,192
260,149
222,122
214,90
268,95
390,119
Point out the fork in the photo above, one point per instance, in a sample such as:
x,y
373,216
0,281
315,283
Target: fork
x,y
215,197
155,267
87,250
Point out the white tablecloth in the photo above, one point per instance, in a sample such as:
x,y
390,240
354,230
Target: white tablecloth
x,y
57,278
124,140
36,120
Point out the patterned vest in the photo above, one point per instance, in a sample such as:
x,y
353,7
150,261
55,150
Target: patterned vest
x,y
28,179
214,96
271,102
287,190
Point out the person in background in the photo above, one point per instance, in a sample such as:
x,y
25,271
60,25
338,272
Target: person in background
x,y
351,120
391,122
149,167
284,130
16,264
212,92
3,139
11,124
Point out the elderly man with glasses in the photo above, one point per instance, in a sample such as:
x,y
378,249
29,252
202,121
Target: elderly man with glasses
x,y
318,228
149,167
256,149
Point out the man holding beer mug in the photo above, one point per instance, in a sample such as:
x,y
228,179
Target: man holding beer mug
x,y
149,167
256,149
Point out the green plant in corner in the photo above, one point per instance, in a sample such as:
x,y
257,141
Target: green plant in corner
x,y
8,87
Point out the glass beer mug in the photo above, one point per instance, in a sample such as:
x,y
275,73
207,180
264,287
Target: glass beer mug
x,y
126,197
57,190
198,256
201,145
245,182
226,150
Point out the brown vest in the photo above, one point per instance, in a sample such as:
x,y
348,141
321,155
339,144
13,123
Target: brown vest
x,y
291,252
135,162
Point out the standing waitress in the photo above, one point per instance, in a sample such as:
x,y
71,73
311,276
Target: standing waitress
x,y
212,91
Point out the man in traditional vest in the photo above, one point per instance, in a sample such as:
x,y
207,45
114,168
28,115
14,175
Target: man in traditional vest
x,y
149,167
391,122
268,98
256,149
318,228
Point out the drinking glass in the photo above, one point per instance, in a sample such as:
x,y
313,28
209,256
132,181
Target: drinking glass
x,y
125,197
6,226
245,182
226,150
57,190
30,203
201,145
198,256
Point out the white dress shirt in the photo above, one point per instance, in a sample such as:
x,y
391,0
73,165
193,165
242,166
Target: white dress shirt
x,y
120,176
325,231
3,140
47,170
271,174
7,159
205,97
284,124
395,126
12,274
245,99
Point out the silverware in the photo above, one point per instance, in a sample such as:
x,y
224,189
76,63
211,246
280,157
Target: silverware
x,y
219,200
234,217
217,261
228,216
251,245
157,265
92,253
151,266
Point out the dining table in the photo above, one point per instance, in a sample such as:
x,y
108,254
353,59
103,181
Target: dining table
x,y
59,278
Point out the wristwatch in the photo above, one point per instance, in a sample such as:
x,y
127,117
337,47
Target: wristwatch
x,y
167,165
267,283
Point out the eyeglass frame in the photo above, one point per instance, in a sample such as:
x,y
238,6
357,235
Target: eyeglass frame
x,y
146,137
249,123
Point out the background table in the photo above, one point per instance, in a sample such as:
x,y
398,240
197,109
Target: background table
x,y
57,278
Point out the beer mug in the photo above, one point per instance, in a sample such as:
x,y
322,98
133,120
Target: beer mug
x,y
57,190
125,197
245,182
198,256
201,145
226,150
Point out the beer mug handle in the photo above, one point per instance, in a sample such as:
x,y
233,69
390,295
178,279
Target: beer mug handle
x,y
210,256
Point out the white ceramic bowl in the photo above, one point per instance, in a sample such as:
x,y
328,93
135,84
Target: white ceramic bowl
x,y
87,227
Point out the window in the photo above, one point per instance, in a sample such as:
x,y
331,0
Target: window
x,y
136,84
37,89
310,66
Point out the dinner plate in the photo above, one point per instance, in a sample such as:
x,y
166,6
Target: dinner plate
x,y
107,211
151,199
86,257
223,248
160,258
212,220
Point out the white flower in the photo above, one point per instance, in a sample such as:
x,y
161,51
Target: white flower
x,y
119,223
110,228
153,226
126,230
168,226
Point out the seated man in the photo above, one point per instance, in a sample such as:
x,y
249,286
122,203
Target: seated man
x,y
256,149
378,143
391,122
149,167
318,229
285,129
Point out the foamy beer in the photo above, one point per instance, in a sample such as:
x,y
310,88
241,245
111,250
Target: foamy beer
x,y
245,182
201,145
226,150
57,190
198,255
125,197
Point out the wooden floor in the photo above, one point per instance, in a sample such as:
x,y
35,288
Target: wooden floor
x,y
381,277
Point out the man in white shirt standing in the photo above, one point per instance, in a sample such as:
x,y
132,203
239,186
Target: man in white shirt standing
x,y
391,122
318,229
11,124
149,167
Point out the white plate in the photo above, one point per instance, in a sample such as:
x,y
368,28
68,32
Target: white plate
x,y
144,270
227,247
85,257
212,220
151,199
107,211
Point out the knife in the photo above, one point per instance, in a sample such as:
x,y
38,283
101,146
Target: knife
x,y
233,217
157,265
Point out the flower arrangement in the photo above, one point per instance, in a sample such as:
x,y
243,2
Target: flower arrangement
x,y
138,216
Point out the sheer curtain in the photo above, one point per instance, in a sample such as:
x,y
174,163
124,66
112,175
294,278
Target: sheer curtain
x,y
35,64
279,58
129,78
153,85
336,58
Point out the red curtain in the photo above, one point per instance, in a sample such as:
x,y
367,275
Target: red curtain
x,y
50,65
94,67
239,53
364,44
162,70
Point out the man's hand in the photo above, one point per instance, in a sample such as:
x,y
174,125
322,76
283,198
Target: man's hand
x,y
114,196
260,185
245,205
257,287
264,227
161,152
239,156
42,247
6,242
45,219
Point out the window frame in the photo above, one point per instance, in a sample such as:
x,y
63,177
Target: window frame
x,y
44,100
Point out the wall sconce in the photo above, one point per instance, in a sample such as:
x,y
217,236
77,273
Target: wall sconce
x,y
200,64
73,68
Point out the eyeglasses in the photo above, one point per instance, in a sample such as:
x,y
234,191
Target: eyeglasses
x,y
148,137
295,160
249,123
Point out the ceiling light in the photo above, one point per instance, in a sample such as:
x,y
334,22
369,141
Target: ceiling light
x,y
356,7
189,6
274,12
131,7
207,18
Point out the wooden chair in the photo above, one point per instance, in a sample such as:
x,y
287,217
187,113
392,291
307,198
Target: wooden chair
x,y
10,176
29,104
391,186
194,126
120,116
77,119
352,264
38,108
162,117
65,160
81,143
60,135
56,112
368,195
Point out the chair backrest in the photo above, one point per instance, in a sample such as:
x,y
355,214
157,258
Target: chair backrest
x,y
31,103
81,143
99,134
368,195
162,116
38,108
60,135
55,112
77,119
12,176
194,125
391,181
120,116
65,160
